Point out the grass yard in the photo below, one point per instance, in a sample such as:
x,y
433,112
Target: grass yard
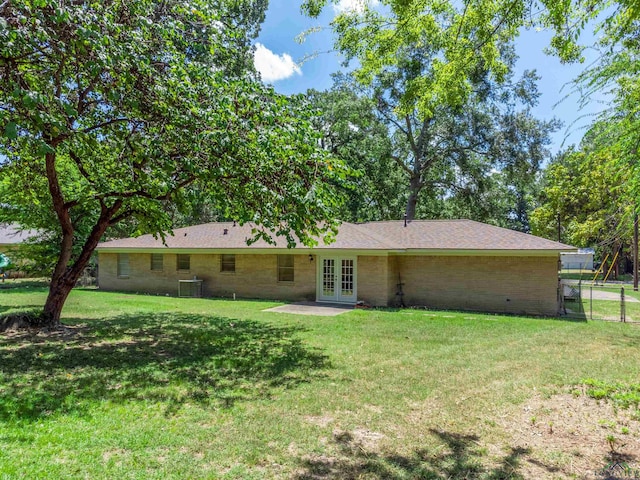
x,y
156,387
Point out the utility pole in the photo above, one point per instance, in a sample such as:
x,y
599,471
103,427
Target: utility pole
x,y
635,252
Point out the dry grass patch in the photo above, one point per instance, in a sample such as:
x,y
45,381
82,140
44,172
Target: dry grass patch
x,y
570,435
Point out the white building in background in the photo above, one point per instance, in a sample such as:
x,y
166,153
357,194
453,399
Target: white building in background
x,y
580,260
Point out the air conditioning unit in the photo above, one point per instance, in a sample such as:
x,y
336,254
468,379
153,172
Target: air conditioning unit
x,y
190,288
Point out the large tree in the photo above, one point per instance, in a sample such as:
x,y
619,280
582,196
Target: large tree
x,y
448,157
441,77
112,109
585,199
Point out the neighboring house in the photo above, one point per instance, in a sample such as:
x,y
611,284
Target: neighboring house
x,y
10,239
580,260
11,236
453,264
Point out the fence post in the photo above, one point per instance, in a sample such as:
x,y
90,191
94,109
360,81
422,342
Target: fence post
x,y
581,308
623,313
591,302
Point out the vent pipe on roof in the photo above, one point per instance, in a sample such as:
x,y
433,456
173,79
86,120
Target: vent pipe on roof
x,y
225,231
405,219
234,223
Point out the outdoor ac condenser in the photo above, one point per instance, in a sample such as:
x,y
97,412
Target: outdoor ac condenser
x,y
190,288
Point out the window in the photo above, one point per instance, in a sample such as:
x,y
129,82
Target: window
x,y
228,263
285,268
157,262
123,265
184,262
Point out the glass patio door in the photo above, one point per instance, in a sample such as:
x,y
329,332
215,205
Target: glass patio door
x,y
337,280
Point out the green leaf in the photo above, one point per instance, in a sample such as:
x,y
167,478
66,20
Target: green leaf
x,y
11,131
44,148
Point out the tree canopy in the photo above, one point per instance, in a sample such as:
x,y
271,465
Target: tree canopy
x,y
585,200
437,49
445,164
112,109
467,33
352,131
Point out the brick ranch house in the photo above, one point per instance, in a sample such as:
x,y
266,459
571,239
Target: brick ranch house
x,y
451,264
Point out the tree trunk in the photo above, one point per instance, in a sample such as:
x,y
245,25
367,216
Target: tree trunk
x,y
64,278
58,292
414,189
63,281
61,284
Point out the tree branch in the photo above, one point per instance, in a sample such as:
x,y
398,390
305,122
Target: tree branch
x,y
143,194
94,237
80,166
82,96
495,29
124,215
387,117
105,124
401,164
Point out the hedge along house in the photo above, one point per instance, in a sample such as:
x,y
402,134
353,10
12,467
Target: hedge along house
x,y
451,264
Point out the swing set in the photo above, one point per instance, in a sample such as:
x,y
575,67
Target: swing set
x,y
601,269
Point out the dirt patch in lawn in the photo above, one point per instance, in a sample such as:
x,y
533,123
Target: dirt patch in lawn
x,y
319,420
19,330
564,436
571,435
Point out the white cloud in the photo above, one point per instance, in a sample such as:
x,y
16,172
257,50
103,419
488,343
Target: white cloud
x,y
274,67
356,6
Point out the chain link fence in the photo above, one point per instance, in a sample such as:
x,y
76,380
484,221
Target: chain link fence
x,y
592,301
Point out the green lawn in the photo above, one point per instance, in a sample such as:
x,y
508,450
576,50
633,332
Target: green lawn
x,y
609,310
159,387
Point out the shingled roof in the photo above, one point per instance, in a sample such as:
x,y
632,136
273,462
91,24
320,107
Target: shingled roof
x,y
10,234
422,235
458,235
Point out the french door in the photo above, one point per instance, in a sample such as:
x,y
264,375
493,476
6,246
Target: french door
x,y
337,279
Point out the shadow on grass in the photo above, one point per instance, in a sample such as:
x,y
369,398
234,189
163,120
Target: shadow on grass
x,y
619,466
572,317
168,358
26,284
460,457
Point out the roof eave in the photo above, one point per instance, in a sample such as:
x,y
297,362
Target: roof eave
x,y
353,251
501,252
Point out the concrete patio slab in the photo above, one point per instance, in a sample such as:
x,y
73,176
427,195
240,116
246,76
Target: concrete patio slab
x,y
312,308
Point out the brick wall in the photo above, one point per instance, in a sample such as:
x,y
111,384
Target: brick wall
x,y
372,280
255,276
483,283
392,281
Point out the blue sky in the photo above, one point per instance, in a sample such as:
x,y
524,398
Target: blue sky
x,y
293,67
